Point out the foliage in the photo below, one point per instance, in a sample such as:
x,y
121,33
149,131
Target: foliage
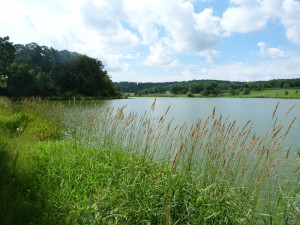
x,y
34,70
206,87
3,81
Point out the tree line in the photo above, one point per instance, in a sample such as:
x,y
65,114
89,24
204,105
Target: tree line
x,y
33,70
206,87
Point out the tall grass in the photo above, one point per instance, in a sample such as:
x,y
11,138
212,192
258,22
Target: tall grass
x,y
237,166
123,168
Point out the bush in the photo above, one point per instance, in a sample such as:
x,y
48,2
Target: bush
x,y
189,94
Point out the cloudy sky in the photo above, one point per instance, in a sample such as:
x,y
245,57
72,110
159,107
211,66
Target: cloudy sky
x,y
166,40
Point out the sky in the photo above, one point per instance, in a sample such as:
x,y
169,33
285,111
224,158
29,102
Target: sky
x,y
166,40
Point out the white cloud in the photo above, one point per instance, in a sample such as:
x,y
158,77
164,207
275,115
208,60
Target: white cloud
x,y
250,15
176,21
162,31
190,32
114,62
244,19
160,55
290,18
104,17
273,53
253,71
210,55
234,71
187,74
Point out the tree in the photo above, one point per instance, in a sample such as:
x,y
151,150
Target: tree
x,y
3,84
22,81
7,55
38,70
7,51
246,91
179,89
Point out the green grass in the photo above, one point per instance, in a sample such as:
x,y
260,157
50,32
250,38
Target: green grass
x,y
108,173
276,93
20,128
88,186
268,93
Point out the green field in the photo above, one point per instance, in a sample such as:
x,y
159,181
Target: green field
x,y
271,93
276,93
206,177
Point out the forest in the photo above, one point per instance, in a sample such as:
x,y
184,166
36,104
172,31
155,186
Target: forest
x,y
206,87
33,70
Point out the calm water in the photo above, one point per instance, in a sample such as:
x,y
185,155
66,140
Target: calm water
x,y
189,110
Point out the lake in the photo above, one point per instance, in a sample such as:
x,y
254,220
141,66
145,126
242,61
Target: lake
x,y
190,110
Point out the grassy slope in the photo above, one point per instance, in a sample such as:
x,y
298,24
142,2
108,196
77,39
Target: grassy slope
x,y
45,180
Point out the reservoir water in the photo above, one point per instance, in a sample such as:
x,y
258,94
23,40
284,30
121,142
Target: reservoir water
x,y
190,110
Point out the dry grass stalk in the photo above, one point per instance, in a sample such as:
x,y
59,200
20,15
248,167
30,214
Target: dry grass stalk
x,y
290,126
275,123
244,127
161,120
177,153
230,126
167,110
214,112
296,170
275,110
288,152
169,126
153,105
290,109
278,130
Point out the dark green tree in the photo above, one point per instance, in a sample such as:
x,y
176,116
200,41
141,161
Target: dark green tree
x,y
7,54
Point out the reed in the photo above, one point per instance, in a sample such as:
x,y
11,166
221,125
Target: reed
x,y
118,167
214,151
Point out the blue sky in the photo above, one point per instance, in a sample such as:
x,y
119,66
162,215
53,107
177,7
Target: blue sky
x,y
166,40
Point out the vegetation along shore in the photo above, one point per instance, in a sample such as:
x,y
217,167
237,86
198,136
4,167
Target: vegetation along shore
x,y
281,88
56,169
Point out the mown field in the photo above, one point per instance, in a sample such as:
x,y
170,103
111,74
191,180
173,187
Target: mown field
x,y
276,93
270,93
203,176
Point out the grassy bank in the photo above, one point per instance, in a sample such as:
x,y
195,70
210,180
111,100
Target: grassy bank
x,y
269,93
164,175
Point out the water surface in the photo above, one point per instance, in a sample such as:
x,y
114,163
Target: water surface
x,y
190,110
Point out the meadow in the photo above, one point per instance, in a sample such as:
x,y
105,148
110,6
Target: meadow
x,y
142,169
267,93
